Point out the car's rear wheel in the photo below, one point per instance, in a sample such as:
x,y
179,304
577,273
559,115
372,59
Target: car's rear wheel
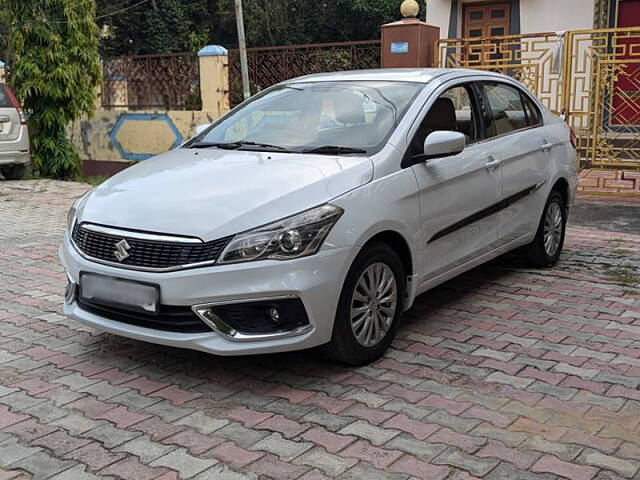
x,y
546,247
369,308
13,172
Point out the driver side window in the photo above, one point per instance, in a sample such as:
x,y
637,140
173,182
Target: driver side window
x,y
452,110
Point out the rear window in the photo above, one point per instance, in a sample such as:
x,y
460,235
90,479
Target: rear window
x,y
5,101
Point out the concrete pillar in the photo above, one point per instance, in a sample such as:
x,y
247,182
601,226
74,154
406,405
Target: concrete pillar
x,y
408,43
214,79
3,78
119,93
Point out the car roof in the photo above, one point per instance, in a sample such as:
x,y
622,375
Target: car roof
x,y
420,75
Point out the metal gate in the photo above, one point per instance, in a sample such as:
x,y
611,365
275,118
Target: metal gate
x,y
592,77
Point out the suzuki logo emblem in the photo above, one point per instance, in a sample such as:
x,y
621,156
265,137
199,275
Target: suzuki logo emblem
x,y
122,250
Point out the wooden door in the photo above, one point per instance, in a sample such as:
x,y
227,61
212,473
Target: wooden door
x,y
481,21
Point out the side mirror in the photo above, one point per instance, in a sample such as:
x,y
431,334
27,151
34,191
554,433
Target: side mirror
x,y
443,143
202,128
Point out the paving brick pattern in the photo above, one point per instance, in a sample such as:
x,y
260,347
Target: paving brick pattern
x,y
609,182
503,373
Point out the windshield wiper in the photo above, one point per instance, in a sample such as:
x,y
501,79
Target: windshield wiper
x,y
333,150
238,145
204,144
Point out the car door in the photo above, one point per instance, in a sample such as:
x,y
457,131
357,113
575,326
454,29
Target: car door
x,y
456,192
515,136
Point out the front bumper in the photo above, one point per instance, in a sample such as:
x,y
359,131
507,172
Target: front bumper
x,y
317,280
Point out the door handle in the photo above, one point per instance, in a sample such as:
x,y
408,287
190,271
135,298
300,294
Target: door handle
x,y
546,146
4,118
491,164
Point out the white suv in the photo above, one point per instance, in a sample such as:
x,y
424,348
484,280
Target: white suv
x,y
314,213
14,136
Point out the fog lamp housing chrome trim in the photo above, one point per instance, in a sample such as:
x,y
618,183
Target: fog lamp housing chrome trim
x,y
208,316
70,292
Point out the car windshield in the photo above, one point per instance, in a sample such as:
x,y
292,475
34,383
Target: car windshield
x,y
319,117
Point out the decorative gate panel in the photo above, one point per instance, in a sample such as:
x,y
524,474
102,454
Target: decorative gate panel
x,y
533,59
592,77
602,95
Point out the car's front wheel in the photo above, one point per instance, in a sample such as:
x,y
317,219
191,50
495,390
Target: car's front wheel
x,y
13,172
369,308
546,247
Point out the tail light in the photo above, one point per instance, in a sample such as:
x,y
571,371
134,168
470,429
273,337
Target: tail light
x,y
573,138
15,104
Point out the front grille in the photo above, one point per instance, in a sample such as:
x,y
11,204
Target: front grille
x,y
169,318
146,253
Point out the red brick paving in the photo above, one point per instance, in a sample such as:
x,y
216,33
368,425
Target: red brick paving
x,y
609,182
501,373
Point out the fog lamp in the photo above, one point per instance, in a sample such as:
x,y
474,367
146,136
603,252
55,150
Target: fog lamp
x,y
273,315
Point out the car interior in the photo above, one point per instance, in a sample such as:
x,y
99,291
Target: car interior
x,y
451,111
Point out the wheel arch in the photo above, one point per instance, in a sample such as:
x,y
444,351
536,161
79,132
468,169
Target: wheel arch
x,y
562,186
398,243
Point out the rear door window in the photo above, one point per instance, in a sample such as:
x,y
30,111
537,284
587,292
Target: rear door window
x,y
506,111
5,101
534,117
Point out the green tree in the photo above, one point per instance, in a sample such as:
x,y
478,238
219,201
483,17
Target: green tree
x,y
161,26
55,68
158,26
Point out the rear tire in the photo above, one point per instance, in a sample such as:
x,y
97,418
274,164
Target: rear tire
x,y
546,247
369,308
13,172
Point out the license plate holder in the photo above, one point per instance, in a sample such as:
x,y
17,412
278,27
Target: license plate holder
x,y
119,293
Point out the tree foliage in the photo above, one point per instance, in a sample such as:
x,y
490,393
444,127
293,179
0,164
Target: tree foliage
x,y
179,25
159,26
55,68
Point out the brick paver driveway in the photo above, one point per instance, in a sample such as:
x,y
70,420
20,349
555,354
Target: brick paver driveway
x,y
503,373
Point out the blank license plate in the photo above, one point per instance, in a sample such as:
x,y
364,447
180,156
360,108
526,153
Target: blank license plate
x,y
111,291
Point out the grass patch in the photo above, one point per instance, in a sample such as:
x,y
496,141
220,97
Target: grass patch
x,y
92,180
625,275
631,292
615,240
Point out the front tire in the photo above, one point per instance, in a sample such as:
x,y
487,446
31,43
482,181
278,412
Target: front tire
x,y
546,247
13,172
370,307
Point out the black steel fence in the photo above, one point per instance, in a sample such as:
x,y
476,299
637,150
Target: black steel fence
x,y
168,81
270,65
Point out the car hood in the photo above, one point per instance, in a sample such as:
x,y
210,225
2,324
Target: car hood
x,y
214,193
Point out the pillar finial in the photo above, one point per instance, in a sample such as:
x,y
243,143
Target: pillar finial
x,y
409,8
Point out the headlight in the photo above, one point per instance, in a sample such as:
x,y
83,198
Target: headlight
x,y
73,211
292,237
71,215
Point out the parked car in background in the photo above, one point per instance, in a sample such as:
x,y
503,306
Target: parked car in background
x,y
14,136
314,213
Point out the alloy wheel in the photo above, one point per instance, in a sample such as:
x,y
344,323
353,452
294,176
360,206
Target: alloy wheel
x,y
553,225
373,304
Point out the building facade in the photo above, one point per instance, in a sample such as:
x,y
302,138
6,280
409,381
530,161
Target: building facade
x,y
482,18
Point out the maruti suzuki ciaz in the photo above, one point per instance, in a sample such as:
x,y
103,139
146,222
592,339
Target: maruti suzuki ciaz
x,y
314,213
